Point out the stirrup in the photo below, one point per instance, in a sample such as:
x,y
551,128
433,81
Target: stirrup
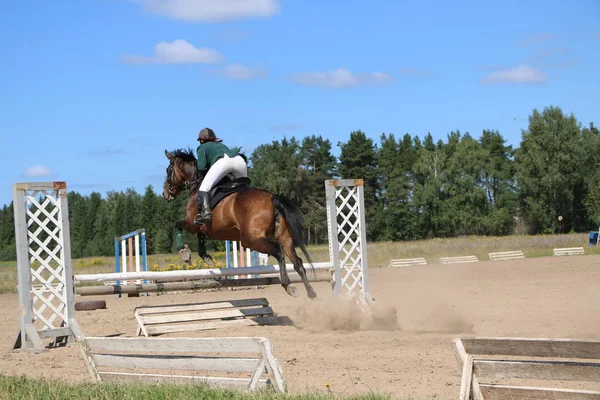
x,y
201,219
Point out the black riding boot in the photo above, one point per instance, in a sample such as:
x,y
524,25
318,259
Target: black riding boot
x,y
204,205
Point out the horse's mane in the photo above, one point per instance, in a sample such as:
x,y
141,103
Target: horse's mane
x,y
184,154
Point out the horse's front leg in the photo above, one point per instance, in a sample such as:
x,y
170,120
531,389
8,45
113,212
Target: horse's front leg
x,y
202,250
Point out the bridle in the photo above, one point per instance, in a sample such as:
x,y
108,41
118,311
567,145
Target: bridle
x,y
174,189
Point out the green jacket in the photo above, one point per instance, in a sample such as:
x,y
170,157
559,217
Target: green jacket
x,y
209,152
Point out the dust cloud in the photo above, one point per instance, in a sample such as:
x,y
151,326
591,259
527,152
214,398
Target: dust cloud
x,y
339,314
447,318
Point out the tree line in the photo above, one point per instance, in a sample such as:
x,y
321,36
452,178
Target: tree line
x,y
415,188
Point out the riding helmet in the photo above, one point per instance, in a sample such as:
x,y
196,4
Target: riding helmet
x,y
206,133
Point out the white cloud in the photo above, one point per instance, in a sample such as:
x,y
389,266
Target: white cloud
x,y
37,171
341,78
240,72
212,10
518,74
177,52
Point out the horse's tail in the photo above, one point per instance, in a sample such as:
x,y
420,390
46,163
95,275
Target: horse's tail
x,y
293,217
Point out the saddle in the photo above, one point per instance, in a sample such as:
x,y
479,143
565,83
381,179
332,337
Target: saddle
x,y
227,186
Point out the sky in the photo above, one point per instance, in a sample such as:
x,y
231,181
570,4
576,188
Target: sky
x,y
92,92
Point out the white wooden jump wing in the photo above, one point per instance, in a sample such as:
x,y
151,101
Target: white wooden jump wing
x,y
506,255
44,265
458,260
157,320
407,262
347,237
207,360
569,251
479,373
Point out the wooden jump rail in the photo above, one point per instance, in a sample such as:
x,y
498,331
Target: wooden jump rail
x,y
206,360
506,255
196,273
569,251
157,320
190,285
458,260
524,363
407,262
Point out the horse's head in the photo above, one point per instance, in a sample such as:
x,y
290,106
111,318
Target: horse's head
x,y
181,173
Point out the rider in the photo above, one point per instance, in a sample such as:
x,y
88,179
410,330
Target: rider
x,y
217,160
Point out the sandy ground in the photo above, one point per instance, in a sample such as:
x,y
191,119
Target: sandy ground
x,y
323,344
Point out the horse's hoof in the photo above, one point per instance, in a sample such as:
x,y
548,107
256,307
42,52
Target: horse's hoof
x,y
208,260
312,294
292,291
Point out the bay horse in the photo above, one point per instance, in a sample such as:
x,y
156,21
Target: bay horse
x,y
257,218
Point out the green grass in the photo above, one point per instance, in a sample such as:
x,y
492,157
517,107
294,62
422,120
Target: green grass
x,y
19,387
379,253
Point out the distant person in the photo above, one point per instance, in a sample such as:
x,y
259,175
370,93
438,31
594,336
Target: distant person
x,y
186,254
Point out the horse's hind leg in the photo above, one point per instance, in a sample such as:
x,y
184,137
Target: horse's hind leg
x,y
266,246
285,279
290,252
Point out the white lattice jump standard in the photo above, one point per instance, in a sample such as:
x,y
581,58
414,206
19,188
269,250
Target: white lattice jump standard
x,y
407,262
44,267
347,237
506,255
458,260
569,251
205,360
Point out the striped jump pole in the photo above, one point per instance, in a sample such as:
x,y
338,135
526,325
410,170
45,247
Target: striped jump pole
x,y
245,257
130,255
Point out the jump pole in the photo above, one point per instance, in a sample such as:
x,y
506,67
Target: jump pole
x,y
126,245
250,254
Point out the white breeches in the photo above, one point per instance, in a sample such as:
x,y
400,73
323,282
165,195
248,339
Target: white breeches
x,y
223,166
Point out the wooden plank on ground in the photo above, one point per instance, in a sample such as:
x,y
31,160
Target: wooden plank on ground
x,y
156,320
458,260
503,392
407,262
239,383
147,310
506,255
180,363
461,357
181,345
556,348
569,251
204,315
467,379
209,325
126,360
547,370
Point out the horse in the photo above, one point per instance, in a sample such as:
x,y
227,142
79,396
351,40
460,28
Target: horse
x,y
260,220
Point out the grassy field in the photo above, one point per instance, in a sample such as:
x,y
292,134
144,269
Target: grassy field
x,y
14,388
379,253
